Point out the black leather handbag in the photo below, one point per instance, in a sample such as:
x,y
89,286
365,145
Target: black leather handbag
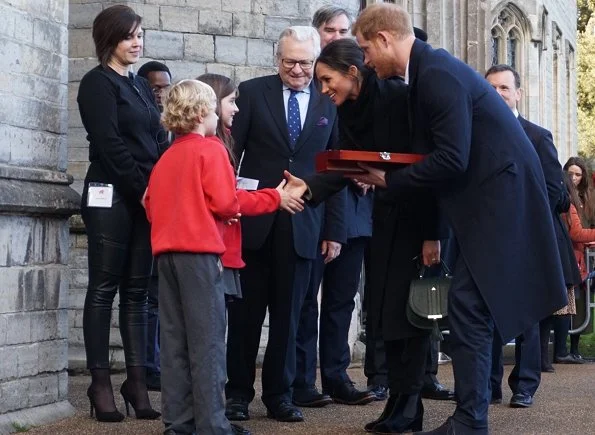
x,y
427,307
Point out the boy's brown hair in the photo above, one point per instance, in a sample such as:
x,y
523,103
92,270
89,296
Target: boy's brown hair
x,y
184,103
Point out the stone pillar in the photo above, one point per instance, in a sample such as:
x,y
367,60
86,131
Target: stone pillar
x,y
35,202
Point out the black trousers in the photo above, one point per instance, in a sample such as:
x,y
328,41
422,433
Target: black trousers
x,y
340,280
119,250
471,333
526,374
153,348
375,359
406,362
275,277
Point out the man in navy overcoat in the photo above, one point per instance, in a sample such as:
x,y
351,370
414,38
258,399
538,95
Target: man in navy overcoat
x,y
491,189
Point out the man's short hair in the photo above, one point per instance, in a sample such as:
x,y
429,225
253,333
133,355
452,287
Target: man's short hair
x,y
327,13
301,34
153,66
386,17
503,67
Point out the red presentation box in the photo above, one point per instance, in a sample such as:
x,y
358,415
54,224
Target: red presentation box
x,y
347,160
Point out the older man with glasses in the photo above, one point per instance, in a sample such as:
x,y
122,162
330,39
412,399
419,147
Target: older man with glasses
x,y
282,123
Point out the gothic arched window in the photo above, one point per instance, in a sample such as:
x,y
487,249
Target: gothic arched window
x,y
508,37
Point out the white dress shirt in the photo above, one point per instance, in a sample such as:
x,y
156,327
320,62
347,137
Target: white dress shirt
x,y
303,101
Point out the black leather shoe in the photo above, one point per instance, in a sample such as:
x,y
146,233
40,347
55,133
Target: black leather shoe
x,y
568,359
548,369
154,382
310,397
173,432
520,400
578,357
347,394
437,391
496,400
380,392
239,430
237,410
286,412
447,428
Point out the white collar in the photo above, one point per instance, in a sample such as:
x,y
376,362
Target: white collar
x,y
406,78
306,90
516,112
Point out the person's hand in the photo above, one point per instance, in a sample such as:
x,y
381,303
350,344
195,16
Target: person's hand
x,y
330,250
144,198
363,186
288,202
295,186
233,220
374,176
431,252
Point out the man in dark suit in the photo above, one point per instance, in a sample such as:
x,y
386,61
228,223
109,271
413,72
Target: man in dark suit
x,y
490,185
282,123
526,374
340,280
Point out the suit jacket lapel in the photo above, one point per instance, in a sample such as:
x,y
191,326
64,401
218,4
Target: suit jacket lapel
x,y
273,96
311,116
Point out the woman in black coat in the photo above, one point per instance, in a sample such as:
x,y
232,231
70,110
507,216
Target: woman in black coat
x,y
373,117
121,117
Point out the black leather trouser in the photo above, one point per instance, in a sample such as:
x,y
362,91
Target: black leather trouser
x,y
119,259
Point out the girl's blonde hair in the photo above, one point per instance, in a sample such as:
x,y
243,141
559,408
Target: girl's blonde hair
x,y
184,103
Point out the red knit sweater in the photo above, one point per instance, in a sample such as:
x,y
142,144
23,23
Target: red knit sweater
x,y
191,194
252,203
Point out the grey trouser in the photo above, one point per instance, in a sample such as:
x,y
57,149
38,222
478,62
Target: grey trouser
x,y
192,316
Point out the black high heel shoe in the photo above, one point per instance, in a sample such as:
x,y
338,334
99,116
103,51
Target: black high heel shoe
x,y
141,414
107,416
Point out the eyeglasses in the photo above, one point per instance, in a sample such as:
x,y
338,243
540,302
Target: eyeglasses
x,y
304,64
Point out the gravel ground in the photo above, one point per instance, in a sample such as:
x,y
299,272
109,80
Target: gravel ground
x,y
564,404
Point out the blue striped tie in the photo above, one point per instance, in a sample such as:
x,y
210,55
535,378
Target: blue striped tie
x,y
294,124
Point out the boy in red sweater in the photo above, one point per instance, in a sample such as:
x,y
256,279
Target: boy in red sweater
x,y
190,197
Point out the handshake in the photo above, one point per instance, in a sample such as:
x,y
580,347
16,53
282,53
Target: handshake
x,y
291,190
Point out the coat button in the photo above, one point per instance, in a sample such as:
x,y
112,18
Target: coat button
x,y
291,160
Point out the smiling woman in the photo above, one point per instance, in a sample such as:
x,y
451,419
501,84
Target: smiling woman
x,y
119,113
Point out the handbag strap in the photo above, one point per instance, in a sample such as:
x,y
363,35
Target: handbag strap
x,y
443,266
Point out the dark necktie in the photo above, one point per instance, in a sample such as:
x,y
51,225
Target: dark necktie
x,y
294,124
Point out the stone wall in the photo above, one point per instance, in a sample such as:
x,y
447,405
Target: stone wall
x,y
35,202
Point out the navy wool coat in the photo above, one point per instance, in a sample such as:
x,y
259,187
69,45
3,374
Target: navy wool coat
x,y
490,187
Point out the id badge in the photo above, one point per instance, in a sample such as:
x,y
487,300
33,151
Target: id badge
x,y
245,183
100,195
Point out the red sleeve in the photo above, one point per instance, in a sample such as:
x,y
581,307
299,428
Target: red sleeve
x,y
148,206
218,181
578,234
257,202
